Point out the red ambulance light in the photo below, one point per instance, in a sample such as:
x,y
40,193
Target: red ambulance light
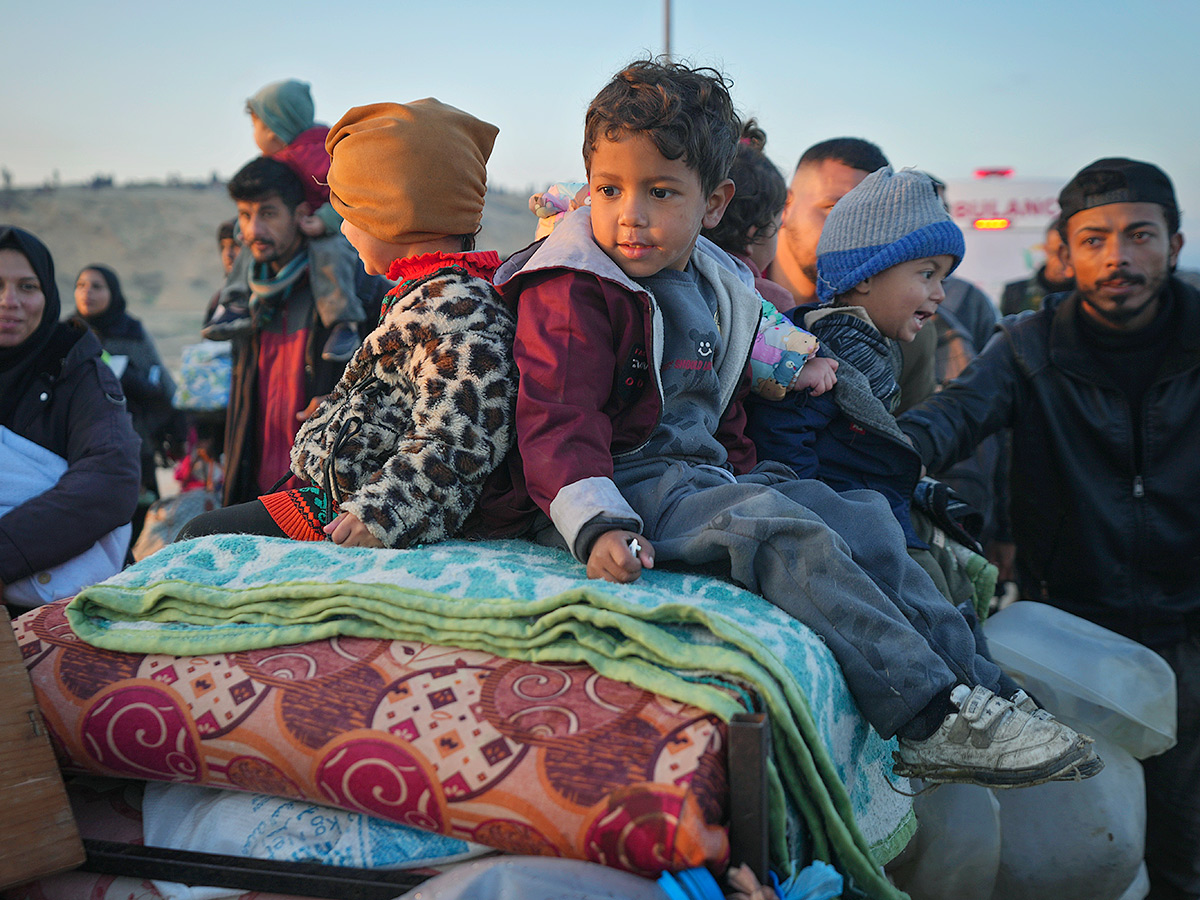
x,y
992,224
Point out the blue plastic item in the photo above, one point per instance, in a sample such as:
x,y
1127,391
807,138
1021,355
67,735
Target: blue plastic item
x,y
690,884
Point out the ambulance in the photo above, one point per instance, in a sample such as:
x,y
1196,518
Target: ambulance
x,y
1003,220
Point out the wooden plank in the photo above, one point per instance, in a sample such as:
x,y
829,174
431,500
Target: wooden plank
x,y
37,830
749,750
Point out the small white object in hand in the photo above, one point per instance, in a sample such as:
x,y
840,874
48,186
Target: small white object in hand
x,y
634,547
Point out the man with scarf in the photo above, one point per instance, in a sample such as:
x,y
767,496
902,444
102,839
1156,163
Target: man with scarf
x,y
279,375
1101,388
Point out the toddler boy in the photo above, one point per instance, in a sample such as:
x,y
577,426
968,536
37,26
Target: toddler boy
x,y
884,251
633,347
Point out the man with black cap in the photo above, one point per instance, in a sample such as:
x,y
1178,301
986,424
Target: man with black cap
x,y
1101,389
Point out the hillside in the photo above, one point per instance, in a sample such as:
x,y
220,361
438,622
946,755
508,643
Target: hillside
x,y
161,241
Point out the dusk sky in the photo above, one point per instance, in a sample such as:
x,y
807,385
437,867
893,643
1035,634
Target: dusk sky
x,y
141,91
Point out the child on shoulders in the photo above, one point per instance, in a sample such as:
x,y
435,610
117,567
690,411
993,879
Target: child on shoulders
x,y
282,116
633,348
397,454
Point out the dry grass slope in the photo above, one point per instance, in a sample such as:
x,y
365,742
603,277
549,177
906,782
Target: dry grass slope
x,y
161,241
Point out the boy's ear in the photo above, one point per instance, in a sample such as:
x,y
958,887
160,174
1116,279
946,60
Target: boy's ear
x,y
863,287
714,207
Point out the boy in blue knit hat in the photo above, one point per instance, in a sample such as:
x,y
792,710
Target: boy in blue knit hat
x,y
883,253
633,345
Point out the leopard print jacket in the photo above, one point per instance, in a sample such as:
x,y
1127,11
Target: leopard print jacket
x,y
423,413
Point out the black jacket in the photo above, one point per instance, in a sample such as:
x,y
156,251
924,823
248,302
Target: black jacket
x,y
1106,521
74,408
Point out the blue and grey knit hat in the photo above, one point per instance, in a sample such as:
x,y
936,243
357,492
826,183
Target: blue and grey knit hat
x,y
890,218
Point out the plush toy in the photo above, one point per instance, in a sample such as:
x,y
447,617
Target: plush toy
x,y
555,202
780,349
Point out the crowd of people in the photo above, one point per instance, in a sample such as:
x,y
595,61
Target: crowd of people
x,y
699,365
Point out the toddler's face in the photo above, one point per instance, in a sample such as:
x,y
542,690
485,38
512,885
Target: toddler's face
x,y
900,300
647,210
377,256
264,138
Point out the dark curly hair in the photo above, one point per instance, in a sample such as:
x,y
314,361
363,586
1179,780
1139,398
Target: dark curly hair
x,y
687,112
759,195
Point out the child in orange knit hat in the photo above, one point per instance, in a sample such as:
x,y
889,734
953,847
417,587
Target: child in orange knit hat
x,y
282,115
398,452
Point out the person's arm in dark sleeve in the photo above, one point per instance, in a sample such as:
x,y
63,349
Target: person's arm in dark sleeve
x,y
947,426
96,494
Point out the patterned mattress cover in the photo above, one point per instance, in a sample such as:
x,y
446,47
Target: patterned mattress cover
x,y
544,759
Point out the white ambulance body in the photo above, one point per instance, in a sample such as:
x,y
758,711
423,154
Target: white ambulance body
x,y
1003,220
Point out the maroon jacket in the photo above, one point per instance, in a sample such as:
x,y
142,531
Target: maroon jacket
x,y
306,156
589,388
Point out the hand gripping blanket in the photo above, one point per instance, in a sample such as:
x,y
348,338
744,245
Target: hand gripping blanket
x,y
682,635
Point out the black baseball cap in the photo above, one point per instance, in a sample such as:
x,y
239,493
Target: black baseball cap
x,y
1116,180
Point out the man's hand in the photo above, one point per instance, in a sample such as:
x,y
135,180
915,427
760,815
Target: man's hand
x,y
311,408
818,375
613,560
1003,555
349,531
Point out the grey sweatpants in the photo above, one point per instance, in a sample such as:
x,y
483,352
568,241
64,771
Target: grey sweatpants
x,y
836,562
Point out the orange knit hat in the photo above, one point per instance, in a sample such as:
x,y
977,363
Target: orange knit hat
x,y
410,172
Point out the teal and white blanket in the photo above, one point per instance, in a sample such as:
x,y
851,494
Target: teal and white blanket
x,y
677,634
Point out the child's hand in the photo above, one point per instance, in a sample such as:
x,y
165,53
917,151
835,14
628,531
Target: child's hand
x,y
310,409
746,887
349,531
535,200
312,226
817,375
613,560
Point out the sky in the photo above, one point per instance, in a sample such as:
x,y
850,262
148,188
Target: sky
x,y
144,91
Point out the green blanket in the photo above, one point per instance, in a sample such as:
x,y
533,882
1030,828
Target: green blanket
x,y
681,635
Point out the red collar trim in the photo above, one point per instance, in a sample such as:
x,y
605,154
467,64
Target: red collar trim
x,y
480,263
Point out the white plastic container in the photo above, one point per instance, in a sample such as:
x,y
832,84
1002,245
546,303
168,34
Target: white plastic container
x,y
956,851
1075,840
1093,678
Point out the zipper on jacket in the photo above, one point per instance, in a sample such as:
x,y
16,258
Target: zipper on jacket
x,y
1139,489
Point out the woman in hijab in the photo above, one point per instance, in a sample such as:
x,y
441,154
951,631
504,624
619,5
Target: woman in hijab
x,y
56,392
148,388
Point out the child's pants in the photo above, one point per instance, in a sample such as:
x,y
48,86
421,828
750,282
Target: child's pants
x,y
836,562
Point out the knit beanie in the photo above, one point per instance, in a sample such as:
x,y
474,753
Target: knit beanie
x,y
890,218
1117,180
410,172
286,107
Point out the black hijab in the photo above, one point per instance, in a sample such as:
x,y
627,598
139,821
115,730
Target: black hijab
x,y
16,363
113,320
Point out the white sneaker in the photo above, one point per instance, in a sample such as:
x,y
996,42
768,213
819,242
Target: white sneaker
x,y
1025,703
1087,768
991,742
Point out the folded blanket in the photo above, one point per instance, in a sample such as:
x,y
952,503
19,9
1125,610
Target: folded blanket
x,y
669,632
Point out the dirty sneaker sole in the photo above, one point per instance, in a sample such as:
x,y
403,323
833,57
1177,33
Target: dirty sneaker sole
x,y
1085,769
1075,766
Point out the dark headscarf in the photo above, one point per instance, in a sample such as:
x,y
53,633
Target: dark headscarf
x,y
16,363
112,320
